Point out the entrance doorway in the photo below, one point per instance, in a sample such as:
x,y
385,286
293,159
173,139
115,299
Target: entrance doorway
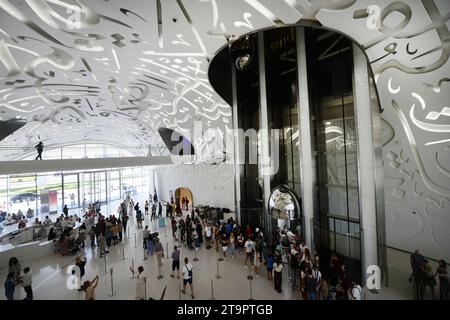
x,y
181,193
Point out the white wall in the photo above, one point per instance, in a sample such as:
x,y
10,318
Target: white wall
x,y
211,185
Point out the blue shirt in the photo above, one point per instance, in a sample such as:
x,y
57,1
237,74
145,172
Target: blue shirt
x,y
269,262
228,228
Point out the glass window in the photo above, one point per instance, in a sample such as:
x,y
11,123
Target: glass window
x,y
22,192
128,187
114,185
71,190
49,188
4,194
87,188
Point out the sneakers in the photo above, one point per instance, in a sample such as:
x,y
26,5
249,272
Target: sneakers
x,y
172,276
192,296
178,277
183,292
245,267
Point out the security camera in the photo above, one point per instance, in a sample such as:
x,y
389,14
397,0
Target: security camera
x,y
242,52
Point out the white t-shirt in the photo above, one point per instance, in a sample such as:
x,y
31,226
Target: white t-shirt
x,y
303,247
208,231
356,292
185,271
249,246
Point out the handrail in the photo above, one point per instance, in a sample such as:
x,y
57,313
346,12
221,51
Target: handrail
x,y
408,252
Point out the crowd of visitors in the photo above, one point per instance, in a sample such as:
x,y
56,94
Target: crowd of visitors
x,y
314,278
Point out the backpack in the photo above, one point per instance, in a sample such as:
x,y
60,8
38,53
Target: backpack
x,y
189,271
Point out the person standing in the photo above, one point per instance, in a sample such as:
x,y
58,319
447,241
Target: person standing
x,y
183,203
310,285
429,279
417,262
92,236
89,288
153,216
187,276
141,281
40,148
14,267
277,274
249,252
10,286
224,242
26,283
124,223
355,291
269,266
146,207
442,274
119,229
175,262
66,210
80,262
159,210
159,250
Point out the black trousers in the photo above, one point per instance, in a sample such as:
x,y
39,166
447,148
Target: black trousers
x,y
277,280
29,293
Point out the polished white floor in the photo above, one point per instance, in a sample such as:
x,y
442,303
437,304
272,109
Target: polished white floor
x,y
50,274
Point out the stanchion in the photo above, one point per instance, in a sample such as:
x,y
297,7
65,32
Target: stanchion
x,y
160,276
104,256
289,278
218,274
145,288
112,284
212,289
220,257
132,268
165,231
250,279
123,251
135,244
167,251
144,255
195,254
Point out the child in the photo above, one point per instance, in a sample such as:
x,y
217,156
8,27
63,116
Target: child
x,y
269,266
26,283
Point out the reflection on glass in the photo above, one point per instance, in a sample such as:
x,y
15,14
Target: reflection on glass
x,y
283,204
71,190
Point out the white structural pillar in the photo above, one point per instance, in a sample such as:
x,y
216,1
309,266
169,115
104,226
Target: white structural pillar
x,y
307,164
236,157
266,165
366,159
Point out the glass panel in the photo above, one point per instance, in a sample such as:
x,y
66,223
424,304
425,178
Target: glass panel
x,y
127,183
87,188
71,190
3,195
100,186
50,193
114,185
22,193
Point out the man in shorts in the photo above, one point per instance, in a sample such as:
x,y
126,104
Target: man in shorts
x,y
249,251
175,262
187,276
